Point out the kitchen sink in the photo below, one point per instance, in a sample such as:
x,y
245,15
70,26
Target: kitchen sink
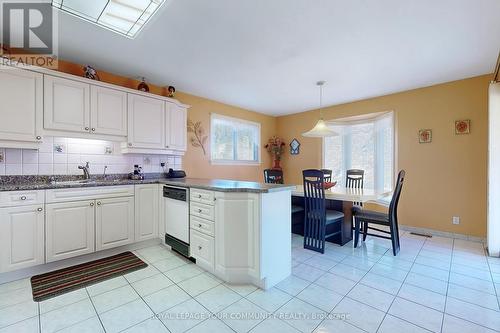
x,y
76,182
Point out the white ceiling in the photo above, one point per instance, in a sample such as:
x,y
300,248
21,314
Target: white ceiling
x,y
267,55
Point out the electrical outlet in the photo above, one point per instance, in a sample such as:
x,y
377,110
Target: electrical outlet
x,y
455,220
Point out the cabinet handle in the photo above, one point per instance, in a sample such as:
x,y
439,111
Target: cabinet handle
x,y
91,204
39,137
199,225
39,209
129,144
98,203
86,128
199,196
168,146
93,129
199,247
23,198
199,210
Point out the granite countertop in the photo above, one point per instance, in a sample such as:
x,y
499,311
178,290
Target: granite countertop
x,y
25,183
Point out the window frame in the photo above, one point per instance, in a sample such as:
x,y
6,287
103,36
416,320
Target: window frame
x,y
235,162
371,118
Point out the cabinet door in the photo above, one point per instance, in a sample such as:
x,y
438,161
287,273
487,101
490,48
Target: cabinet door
x,y
114,222
21,96
146,212
69,229
108,111
66,105
202,249
21,237
146,122
176,128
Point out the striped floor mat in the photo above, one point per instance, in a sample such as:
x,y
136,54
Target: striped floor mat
x,y
64,280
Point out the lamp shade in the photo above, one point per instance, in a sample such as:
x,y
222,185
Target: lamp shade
x,y
321,130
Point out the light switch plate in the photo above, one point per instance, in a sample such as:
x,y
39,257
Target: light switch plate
x,y
455,220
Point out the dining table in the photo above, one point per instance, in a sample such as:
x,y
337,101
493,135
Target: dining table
x,y
342,199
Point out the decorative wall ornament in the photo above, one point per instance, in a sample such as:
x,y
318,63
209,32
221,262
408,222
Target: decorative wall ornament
x,y
462,126
199,138
143,86
276,147
425,136
294,147
91,73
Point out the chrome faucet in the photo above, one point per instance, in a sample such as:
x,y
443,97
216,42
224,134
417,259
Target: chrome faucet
x,y
86,173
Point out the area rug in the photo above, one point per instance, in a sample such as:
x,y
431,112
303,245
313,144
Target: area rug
x,y
64,280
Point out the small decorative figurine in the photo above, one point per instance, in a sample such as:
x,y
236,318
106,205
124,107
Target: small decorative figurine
x,y
90,73
171,91
143,86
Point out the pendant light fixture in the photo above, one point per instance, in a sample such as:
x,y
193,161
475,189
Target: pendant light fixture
x,y
321,130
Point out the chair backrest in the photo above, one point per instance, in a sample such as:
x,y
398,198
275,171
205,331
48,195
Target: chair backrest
x,y
315,210
314,191
327,174
273,176
393,207
354,178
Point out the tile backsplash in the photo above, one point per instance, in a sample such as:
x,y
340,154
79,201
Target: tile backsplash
x,y
62,156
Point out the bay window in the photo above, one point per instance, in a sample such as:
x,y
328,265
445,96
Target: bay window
x,y
365,143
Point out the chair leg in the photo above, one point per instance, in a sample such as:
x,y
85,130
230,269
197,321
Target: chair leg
x,y
356,231
365,230
395,246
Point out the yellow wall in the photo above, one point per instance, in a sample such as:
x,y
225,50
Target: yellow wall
x,y
444,178
197,165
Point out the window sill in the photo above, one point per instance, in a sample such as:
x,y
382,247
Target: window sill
x,y
249,163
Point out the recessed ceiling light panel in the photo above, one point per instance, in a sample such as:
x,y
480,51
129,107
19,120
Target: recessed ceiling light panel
x,y
126,17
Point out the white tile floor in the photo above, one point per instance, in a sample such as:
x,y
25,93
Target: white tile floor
x,y
436,285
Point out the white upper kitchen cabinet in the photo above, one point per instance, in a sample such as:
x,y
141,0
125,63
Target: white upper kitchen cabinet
x,y
114,222
21,237
66,105
69,229
146,212
146,121
108,111
21,109
176,127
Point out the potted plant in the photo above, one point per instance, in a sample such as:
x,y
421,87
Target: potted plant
x,y
276,147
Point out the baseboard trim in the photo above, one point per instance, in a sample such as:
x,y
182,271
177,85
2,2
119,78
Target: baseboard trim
x,y
442,233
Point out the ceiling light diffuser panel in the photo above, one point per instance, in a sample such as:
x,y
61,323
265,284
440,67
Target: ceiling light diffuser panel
x,y
126,17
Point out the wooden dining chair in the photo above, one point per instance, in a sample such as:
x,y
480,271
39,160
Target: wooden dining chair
x,y
355,179
273,176
327,174
318,219
368,217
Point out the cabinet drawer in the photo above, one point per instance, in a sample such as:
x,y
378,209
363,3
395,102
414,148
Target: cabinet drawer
x,y
202,225
202,210
21,198
89,193
202,196
202,249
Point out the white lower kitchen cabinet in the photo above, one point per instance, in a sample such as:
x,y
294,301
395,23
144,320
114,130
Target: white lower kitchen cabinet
x,y
70,229
21,237
114,221
202,249
146,212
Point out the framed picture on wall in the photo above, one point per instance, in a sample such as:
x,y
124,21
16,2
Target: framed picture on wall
x,y
462,126
425,136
